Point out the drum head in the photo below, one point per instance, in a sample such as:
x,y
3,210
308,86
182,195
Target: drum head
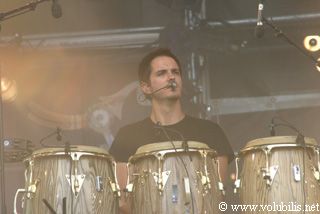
x,y
167,147
73,148
154,147
278,141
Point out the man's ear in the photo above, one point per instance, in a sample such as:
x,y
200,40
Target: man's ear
x,y
145,87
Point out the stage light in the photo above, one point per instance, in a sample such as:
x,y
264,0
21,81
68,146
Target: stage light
x,y
312,43
318,64
8,89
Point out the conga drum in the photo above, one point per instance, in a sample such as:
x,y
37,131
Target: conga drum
x,y
279,174
80,180
174,177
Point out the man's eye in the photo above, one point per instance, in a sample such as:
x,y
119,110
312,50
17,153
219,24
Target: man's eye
x,y
160,73
176,72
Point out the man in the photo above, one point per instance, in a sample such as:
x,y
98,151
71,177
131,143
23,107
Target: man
x,y
161,82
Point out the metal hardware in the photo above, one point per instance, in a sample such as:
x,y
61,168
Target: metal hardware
x,y
15,199
296,173
76,182
174,197
115,188
115,185
316,174
205,179
32,188
129,187
316,171
221,188
99,184
162,179
237,182
269,173
187,190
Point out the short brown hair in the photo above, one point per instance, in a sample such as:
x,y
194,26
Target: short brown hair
x,y
145,64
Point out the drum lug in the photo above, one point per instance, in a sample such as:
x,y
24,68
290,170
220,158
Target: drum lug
x,y
162,179
32,188
99,184
129,188
115,188
237,184
115,185
316,174
237,181
76,183
205,181
269,174
221,188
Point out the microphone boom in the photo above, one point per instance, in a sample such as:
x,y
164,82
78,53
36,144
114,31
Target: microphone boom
x,y
56,9
259,30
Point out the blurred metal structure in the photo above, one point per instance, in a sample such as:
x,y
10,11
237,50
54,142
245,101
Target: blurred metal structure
x,y
141,37
239,105
125,38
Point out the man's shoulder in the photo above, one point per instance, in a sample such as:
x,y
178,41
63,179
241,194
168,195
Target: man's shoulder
x,y
136,125
199,121
129,133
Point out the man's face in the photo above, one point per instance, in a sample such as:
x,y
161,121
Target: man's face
x,y
164,69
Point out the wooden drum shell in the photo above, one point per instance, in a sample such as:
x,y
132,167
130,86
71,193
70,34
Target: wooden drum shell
x,y
146,196
47,172
286,155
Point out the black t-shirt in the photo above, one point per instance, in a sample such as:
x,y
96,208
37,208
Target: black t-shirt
x,y
131,137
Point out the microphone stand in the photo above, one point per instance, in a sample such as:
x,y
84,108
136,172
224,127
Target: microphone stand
x,y
2,176
4,16
20,10
279,34
272,126
52,211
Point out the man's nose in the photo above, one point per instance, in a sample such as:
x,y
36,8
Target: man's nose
x,y
171,75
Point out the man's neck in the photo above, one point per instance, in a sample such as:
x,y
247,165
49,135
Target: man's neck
x,y
167,112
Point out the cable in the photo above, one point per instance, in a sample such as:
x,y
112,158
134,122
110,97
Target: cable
x,y
56,132
180,158
184,141
301,141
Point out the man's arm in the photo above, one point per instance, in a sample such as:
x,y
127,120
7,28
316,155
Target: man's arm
x,y
122,175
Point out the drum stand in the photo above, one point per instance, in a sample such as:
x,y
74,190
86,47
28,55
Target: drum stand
x,y
49,206
64,206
